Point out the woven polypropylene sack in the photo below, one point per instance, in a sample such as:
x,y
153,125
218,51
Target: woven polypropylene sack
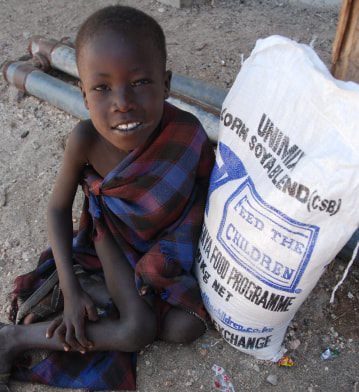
x,y
283,195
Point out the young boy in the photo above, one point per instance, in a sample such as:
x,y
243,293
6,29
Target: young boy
x,y
145,167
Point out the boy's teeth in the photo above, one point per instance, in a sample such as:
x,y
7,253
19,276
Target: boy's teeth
x,y
127,127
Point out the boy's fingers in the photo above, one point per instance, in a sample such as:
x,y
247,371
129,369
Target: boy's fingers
x,y
72,342
92,314
67,347
79,337
84,343
52,327
61,332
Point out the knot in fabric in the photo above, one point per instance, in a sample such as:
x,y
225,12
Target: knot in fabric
x,y
95,187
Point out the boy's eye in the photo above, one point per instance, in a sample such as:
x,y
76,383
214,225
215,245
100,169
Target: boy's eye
x,y
101,87
140,82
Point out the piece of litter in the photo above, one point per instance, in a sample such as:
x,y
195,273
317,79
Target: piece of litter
x,y
213,344
221,381
329,354
285,361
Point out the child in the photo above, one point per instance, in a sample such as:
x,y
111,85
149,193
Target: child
x,y
145,167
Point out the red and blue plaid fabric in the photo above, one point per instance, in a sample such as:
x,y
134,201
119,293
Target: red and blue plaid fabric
x,y
110,370
153,203
97,371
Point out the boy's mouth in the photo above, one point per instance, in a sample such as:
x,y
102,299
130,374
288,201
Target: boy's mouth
x,y
126,127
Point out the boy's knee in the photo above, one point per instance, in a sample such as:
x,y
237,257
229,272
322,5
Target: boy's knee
x,y
140,331
145,331
181,327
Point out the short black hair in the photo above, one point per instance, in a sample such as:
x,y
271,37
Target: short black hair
x,y
121,19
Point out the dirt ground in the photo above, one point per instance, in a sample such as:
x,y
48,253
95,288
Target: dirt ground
x,y
209,43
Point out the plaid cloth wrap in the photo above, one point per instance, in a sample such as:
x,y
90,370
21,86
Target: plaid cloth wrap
x,y
153,203
97,371
110,370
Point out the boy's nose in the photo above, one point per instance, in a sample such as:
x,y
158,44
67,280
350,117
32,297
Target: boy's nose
x,y
123,100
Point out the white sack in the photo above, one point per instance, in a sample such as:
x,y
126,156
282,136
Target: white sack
x,y
283,194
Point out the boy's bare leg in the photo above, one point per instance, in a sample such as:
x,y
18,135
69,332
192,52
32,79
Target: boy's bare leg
x,y
120,283
106,335
180,326
95,288
136,327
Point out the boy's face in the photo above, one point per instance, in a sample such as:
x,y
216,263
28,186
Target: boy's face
x,y
124,85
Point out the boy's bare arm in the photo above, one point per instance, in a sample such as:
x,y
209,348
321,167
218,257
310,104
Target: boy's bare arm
x,y
77,304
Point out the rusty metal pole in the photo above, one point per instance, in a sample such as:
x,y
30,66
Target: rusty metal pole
x,y
27,77
61,56
33,81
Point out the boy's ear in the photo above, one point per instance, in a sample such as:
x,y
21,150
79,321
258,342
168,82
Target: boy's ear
x,y
168,77
83,92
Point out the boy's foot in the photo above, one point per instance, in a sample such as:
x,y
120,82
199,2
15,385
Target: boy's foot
x,y
95,286
53,302
48,299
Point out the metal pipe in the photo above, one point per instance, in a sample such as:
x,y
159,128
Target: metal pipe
x,y
27,77
201,99
209,121
46,87
202,92
61,55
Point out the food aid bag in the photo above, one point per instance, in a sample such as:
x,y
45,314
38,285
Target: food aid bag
x,y
282,200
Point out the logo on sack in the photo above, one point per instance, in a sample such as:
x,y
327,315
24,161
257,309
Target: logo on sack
x,y
268,244
227,319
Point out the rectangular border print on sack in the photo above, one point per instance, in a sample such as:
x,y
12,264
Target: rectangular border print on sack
x,y
249,221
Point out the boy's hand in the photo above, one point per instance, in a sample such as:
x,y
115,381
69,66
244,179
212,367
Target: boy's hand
x,y
70,330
